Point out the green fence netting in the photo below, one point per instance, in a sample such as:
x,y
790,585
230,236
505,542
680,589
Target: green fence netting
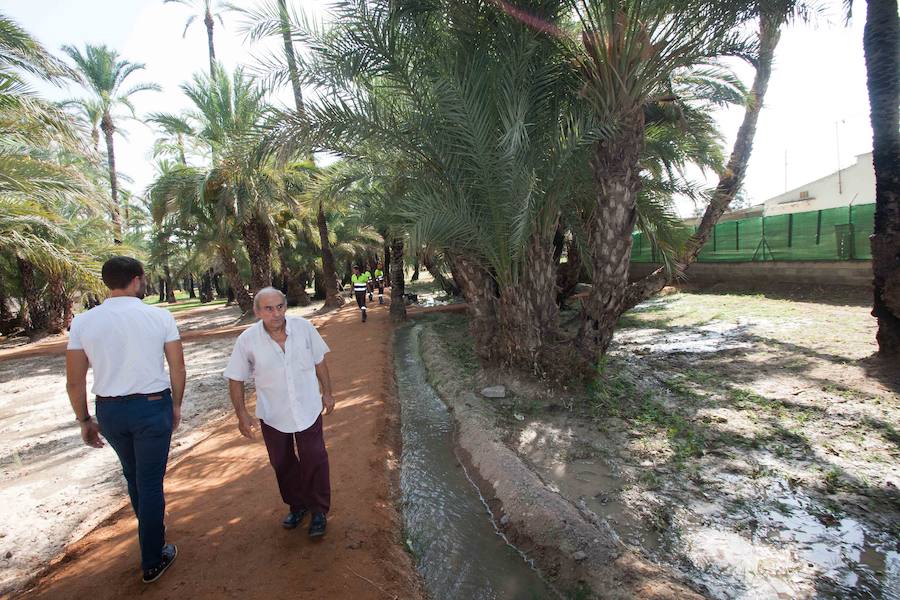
x,y
831,234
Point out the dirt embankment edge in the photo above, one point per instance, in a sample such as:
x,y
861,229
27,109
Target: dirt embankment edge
x,y
572,550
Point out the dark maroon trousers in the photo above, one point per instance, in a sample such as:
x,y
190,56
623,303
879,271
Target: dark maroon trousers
x,y
301,470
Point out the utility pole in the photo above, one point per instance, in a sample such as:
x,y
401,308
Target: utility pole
x,y
837,141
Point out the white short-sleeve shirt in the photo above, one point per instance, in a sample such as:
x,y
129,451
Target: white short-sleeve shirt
x,y
124,339
287,390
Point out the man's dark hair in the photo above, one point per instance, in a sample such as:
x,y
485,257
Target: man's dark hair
x,y
118,271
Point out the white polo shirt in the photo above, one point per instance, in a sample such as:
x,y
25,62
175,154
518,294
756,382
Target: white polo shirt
x,y
123,339
287,390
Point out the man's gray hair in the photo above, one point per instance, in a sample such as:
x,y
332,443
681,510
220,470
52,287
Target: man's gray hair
x,y
263,292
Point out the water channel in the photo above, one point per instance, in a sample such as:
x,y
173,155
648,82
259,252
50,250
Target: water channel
x,y
458,549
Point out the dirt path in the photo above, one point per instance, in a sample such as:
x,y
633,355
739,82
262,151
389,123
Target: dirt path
x,y
224,510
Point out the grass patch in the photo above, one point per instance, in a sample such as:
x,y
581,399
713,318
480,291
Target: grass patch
x,y
613,394
454,332
183,302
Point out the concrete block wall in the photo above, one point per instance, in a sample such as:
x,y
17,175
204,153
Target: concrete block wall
x,y
856,273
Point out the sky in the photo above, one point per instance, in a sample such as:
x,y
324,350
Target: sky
x,y
815,117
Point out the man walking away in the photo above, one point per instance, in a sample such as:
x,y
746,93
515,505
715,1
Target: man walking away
x,y
137,405
286,358
379,282
360,282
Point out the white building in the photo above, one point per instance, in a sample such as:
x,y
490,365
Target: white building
x,y
850,186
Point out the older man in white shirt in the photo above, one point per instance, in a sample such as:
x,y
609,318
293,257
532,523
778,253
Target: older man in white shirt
x,y
138,405
286,358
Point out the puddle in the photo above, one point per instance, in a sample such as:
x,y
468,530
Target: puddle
x,y
787,543
712,337
457,547
741,540
429,300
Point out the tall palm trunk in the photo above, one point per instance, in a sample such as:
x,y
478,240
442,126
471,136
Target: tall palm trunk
x,y
480,291
206,286
208,21
32,314
448,286
333,298
233,275
527,314
106,124
289,55
257,240
170,291
180,143
6,315
387,261
733,176
398,285
295,280
881,42
57,301
618,183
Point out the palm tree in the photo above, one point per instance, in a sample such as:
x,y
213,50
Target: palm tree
x,y
176,130
229,111
275,19
104,74
208,9
771,16
90,112
189,194
30,125
466,131
45,187
881,42
630,52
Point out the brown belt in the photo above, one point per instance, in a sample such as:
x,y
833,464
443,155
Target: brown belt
x,y
150,396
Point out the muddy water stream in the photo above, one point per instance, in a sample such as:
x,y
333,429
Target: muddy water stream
x,y
457,546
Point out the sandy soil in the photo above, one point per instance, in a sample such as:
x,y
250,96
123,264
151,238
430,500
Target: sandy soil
x,y
748,441
222,496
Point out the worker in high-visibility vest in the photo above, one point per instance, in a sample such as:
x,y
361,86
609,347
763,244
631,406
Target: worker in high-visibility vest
x,y
379,282
360,282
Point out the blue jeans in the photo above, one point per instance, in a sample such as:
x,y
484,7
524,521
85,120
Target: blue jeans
x,y
139,430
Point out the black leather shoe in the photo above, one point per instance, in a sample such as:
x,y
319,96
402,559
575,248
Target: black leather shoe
x,y
293,519
317,525
169,552
364,316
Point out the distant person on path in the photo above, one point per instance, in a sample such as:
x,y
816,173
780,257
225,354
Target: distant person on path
x,y
286,358
138,406
360,283
379,282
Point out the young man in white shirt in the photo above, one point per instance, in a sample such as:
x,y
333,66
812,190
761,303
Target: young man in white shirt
x,y
286,358
138,405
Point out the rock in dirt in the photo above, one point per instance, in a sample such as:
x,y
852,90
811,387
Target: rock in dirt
x,y
494,391
579,556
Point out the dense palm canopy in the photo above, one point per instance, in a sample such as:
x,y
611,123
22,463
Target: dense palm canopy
x,y
476,126
512,147
48,193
